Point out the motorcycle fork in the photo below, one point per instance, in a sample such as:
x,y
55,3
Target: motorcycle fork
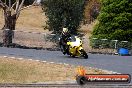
x,y
78,51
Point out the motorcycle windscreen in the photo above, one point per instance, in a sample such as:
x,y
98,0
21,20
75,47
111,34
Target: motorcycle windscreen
x,y
76,43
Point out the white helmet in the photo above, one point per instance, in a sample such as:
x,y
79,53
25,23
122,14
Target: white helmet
x,y
65,30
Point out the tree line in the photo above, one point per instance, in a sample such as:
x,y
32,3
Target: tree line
x,y
114,20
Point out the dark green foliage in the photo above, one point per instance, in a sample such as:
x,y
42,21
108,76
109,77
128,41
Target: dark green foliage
x,y
122,35
124,45
99,43
95,43
28,2
115,20
63,13
113,44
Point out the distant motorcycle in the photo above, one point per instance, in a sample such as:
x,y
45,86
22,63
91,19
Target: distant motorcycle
x,y
74,47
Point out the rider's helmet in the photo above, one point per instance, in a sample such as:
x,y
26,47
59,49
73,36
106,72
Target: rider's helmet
x,y
65,30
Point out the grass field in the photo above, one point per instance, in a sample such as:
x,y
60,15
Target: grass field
x,y
26,71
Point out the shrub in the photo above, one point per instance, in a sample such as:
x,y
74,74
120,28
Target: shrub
x,y
114,20
64,13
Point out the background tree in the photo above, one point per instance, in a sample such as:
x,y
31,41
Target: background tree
x,y
115,20
12,9
64,13
92,9
26,2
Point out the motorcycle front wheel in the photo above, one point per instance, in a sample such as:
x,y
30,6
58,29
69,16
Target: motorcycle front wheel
x,y
84,54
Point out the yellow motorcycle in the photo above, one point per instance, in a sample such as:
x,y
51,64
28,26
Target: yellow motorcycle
x,y
75,47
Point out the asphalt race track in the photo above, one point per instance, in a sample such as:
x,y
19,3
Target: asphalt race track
x,y
120,64
115,63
